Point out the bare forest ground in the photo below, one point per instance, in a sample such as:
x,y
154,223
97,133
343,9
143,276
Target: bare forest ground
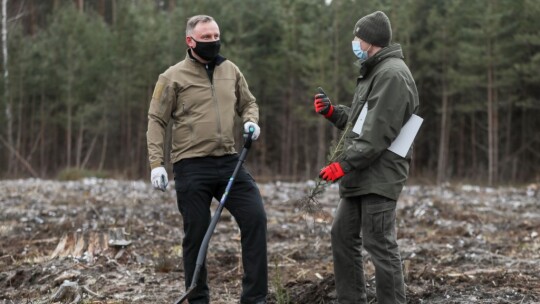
x,y
119,242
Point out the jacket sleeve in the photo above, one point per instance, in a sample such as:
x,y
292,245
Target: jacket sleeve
x,y
340,116
246,108
159,114
387,105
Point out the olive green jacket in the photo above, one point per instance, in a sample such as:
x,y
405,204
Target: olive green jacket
x,y
202,110
386,84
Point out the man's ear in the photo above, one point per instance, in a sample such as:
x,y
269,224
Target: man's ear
x,y
190,42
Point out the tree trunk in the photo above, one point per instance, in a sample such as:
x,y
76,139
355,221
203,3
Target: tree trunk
x,y
285,132
444,136
474,159
172,5
333,137
33,28
336,48
461,155
509,142
80,142
492,123
496,139
7,97
140,159
43,132
295,151
80,5
18,134
101,9
89,151
103,150
128,159
308,157
322,142
263,146
69,122
113,12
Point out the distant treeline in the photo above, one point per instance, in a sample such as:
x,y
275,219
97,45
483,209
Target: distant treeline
x,y
80,75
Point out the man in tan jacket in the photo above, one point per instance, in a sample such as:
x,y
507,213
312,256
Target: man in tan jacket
x,y
201,95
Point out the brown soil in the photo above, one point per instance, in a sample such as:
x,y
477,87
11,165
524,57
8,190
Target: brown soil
x,y
121,240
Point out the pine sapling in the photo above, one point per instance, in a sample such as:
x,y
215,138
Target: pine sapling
x,y
310,203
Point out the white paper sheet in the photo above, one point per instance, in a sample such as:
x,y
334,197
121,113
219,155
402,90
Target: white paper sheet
x,y
405,138
360,121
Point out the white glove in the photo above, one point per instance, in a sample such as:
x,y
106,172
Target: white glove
x,y
256,128
159,178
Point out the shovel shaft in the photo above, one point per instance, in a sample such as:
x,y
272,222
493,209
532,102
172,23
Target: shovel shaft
x,y
206,241
185,295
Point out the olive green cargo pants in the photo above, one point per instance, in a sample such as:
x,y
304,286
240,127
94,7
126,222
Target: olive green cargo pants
x,y
369,221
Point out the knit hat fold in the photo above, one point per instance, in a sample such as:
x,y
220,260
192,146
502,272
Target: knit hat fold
x,y
374,28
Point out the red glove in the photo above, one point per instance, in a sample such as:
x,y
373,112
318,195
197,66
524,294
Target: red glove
x,y
323,106
332,172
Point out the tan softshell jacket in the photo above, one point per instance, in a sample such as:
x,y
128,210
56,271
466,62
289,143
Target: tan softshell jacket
x,y
202,111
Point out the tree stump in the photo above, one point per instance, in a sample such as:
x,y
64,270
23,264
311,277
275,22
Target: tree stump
x,y
89,244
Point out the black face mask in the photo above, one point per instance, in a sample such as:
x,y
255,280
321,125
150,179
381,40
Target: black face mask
x,y
207,50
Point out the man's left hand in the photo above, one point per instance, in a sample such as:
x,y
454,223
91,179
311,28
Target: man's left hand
x,y
256,129
332,172
159,179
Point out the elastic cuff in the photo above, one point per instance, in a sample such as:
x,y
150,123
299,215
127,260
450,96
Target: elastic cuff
x,y
345,166
330,111
156,164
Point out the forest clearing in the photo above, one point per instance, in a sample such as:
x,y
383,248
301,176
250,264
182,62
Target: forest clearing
x,y
75,95
120,242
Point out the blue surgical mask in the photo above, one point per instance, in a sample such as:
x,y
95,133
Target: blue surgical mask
x,y
357,50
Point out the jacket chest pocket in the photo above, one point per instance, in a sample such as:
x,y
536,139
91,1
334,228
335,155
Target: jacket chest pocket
x,y
194,99
360,98
356,108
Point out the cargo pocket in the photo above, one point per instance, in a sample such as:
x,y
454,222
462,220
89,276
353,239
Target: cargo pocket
x,y
382,217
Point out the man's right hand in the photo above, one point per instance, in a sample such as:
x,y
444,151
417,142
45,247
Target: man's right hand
x,y
323,105
159,178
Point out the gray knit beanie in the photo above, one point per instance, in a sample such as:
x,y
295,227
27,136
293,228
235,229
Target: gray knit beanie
x,y
374,28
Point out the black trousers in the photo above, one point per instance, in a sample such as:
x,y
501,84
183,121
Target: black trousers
x,y
197,181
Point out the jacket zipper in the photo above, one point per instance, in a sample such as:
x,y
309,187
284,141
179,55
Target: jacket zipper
x,y
216,105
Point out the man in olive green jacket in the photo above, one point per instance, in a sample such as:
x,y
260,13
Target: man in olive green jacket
x,y
371,177
201,96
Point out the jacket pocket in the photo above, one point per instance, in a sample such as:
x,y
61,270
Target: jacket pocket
x,y
382,216
181,134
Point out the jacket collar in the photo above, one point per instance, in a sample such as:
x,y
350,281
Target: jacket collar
x,y
391,51
217,61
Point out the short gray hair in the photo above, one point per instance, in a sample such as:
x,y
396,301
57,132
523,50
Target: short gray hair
x,y
193,21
